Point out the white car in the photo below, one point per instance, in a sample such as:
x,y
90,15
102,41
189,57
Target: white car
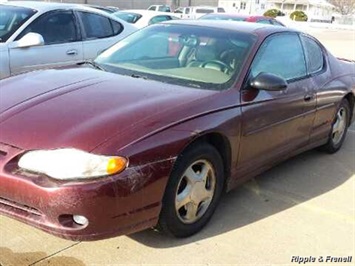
x,y
162,8
195,12
36,35
143,18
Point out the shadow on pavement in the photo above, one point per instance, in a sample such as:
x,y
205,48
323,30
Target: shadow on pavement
x,y
289,184
9,258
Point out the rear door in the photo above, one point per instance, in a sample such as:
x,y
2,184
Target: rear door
x,y
99,33
62,43
276,123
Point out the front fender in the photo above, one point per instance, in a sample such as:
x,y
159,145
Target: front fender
x,y
168,144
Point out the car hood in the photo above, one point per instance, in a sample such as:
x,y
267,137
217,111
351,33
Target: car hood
x,y
83,108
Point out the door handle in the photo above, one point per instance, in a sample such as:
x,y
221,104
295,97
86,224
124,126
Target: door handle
x,y
72,52
309,97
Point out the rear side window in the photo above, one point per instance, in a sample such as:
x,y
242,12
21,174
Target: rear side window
x,y
282,55
314,55
97,26
117,27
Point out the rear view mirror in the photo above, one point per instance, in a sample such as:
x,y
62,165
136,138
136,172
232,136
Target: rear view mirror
x,y
29,40
268,82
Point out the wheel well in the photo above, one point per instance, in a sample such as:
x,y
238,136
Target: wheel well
x,y
351,99
222,145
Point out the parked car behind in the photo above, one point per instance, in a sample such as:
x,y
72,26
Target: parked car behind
x,y
178,112
143,18
241,17
161,8
194,12
37,35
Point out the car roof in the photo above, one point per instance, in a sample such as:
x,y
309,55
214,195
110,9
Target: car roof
x,y
47,6
238,26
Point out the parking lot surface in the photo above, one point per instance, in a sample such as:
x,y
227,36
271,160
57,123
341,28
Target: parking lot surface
x,y
304,207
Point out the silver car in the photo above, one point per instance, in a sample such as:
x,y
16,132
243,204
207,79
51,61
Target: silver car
x,y
36,35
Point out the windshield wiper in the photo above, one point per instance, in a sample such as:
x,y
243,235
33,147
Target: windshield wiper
x,y
93,64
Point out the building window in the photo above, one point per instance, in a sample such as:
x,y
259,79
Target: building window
x,y
262,6
233,4
243,5
257,2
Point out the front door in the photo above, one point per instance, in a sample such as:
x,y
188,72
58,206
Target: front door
x,y
62,44
275,123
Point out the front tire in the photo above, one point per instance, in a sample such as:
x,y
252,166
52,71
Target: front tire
x,y
193,191
339,128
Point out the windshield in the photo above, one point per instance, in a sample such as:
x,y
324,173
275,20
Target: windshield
x,y
12,18
129,17
164,9
193,56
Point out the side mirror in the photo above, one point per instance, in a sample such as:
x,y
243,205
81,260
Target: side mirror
x,y
268,82
29,40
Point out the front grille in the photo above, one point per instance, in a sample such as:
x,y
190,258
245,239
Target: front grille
x,y
14,206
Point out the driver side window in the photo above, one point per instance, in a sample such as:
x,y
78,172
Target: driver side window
x,y
55,27
281,55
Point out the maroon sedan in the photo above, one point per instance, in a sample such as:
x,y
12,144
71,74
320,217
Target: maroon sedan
x,y
242,17
158,126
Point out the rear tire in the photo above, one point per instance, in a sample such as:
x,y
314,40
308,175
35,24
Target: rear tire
x,y
339,128
193,191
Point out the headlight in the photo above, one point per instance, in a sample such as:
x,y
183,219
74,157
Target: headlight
x,y
71,164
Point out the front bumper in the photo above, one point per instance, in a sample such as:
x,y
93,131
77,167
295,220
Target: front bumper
x,y
115,205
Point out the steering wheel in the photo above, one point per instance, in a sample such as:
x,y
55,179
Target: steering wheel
x,y
222,66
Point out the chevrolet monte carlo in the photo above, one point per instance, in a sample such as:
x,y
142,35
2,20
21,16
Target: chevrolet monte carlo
x,y
158,126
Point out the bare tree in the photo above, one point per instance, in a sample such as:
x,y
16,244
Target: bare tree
x,y
345,7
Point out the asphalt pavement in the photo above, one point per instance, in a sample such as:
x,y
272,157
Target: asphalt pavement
x,y
302,210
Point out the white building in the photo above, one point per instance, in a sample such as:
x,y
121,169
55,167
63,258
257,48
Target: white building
x,y
316,10
255,7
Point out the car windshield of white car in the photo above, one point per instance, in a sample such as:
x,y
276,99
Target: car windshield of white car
x,y
194,56
129,17
11,19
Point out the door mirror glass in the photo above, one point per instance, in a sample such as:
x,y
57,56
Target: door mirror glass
x,y
29,40
268,82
